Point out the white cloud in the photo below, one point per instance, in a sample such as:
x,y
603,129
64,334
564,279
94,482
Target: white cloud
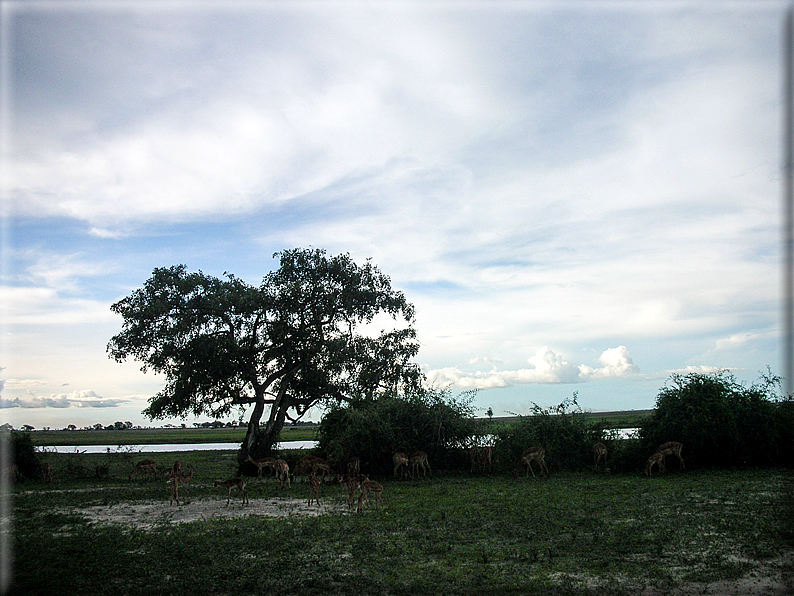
x,y
80,399
547,367
617,363
702,369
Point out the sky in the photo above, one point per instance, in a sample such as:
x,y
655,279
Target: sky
x,y
577,197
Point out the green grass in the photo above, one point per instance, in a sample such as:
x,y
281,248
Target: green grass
x,y
574,533
151,436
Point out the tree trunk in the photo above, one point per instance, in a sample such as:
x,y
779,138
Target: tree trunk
x,y
259,442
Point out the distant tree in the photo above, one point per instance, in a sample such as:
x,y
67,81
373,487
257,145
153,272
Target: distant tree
x,y
71,427
27,427
98,426
489,413
287,345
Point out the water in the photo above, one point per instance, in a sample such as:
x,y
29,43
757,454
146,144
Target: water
x,y
168,448
623,433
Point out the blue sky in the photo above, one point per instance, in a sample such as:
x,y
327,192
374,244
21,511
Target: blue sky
x,y
575,196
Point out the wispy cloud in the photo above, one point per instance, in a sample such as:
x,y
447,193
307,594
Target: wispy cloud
x,y
79,399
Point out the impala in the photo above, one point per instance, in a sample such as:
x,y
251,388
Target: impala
x,y
309,465
481,458
352,484
537,454
173,484
282,472
264,462
658,459
672,448
186,479
419,461
146,465
314,489
174,470
400,463
353,466
370,486
599,454
230,484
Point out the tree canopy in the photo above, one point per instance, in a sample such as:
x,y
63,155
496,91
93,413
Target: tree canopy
x,y
297,340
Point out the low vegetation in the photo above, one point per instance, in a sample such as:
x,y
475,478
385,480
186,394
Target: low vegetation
x,y
573,533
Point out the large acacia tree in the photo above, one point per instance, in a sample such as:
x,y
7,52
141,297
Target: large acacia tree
x,y
294,342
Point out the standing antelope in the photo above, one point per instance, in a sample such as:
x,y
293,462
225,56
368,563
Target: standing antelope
x,y
537,454
419,461
481,458
314,489
352,484
370,486
46,472
400,461
353,466
282,472
599,454
230,484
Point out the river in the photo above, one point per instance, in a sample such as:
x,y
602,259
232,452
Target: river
x,y
167,447
624,433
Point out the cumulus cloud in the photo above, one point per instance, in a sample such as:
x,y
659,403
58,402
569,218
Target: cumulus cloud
x,y
616,363
547,367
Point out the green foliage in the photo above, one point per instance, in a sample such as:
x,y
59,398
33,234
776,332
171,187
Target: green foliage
x,y
287,345
564,431
24,455
429,420
721,422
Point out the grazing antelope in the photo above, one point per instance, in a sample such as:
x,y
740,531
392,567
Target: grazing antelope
x,y
230,484
537,454
658,459
370,486
264,462
672,448
599,454
146,465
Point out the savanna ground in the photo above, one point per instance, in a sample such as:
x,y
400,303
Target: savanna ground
x,y
713,532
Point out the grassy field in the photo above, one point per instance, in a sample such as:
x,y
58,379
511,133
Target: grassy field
x,y
152,436
573,533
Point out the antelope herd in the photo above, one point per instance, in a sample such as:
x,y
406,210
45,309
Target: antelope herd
x,y
352,481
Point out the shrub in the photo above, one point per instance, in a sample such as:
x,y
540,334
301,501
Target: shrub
x,y
564,431
373,430
23,454
720,421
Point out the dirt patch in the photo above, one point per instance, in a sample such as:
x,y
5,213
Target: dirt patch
x,y
147,514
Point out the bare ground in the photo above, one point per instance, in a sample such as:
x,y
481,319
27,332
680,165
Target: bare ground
x,y
147,514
